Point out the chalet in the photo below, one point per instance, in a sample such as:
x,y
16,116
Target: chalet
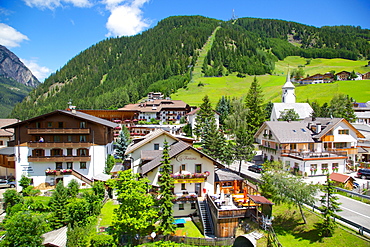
x,y
161,109
61,146
310,146
317,78
343,76
6,135
203,186
366,76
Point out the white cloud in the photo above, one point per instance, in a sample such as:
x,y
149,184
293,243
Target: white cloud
x,y
52,4
10,37
40,72
126,17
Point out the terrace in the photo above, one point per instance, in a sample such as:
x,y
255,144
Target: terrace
x,y
309,155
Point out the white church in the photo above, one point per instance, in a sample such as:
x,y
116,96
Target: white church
x,y
288,100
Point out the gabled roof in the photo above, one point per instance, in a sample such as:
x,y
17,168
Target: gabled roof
x,y
5,122
226,175
338,177
76,114
260,200
288,132
56,238
148,138
174,150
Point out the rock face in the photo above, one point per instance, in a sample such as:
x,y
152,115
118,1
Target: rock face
x,y
11,66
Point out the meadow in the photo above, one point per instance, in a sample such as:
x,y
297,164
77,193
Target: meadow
x,y
233,86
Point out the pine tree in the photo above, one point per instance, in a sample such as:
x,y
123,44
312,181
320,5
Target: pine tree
x,y
223,108
58,203
204,115
329,208
254,102
166,183
122,143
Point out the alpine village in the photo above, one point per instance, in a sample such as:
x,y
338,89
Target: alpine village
x,y
196,132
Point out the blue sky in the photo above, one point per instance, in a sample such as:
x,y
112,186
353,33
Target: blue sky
x,y
46,34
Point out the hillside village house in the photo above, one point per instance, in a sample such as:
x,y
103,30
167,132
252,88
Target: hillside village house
x,y
192,116
313,147
317,78
6,156
61,146
199,179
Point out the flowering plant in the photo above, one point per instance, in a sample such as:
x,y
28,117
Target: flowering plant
x,y
49,171
192,175
335,168
66,170
313,169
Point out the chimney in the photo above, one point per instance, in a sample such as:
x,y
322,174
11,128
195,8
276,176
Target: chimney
x,y
73,109
318,127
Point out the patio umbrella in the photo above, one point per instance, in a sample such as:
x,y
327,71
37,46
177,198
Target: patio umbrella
x,y
235,186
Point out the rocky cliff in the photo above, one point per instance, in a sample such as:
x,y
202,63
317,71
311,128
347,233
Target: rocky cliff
x,y
12,67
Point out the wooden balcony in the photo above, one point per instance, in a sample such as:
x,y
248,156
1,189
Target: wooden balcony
x,y
225,213
59,144
58,158
312,155
46,131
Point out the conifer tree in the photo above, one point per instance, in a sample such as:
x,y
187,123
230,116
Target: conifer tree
x,y
58,203
122,143
254,102
166,183
223,108
329,208
204,116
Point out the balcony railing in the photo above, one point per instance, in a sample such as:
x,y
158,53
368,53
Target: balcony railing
x,y
58,144
225,213
45,131
312,154
61,158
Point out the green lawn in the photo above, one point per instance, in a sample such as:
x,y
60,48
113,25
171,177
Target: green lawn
x,y
233,86
106,214
189,230
291,231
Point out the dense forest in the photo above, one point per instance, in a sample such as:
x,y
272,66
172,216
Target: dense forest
x,y
118,71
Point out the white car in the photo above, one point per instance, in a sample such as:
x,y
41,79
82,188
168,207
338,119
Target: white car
x,y
6,184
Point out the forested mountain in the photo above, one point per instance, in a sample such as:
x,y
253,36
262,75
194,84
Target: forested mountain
x,y
16,81
118,71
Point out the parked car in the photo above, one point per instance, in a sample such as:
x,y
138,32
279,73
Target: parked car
x,y
6,184
256,168
363,173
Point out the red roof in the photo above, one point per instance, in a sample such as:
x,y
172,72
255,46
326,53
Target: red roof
x,y
260,199
338,177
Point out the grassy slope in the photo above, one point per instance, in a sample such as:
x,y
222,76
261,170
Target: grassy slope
x,y
233,86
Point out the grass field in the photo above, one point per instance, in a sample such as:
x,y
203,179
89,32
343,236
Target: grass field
x,y
291,231
233,86
106,214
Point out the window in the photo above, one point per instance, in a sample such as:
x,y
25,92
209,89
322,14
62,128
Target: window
x,y
340,145
82,152
38,152
82,165
324,166
183,186
59,165
60,125
156,146
56,138
56,152
198,168
69,151
181,207
343,132
1,142
82,125
182,167
293,146
50,124
69,165
192,205
82,138
69,138
38,125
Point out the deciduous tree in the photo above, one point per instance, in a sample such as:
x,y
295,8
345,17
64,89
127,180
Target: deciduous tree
x,y
288,115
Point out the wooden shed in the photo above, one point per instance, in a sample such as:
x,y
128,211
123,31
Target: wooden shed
x,y
342,180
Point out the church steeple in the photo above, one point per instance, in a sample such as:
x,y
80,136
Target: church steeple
x,y
288,95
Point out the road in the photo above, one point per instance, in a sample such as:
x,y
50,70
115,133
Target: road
x,y
355,211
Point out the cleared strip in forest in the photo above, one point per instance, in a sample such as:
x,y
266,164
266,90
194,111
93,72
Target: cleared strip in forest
x,y
197,72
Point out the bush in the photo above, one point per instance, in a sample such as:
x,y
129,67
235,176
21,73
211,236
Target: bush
x,y
102,241
30,191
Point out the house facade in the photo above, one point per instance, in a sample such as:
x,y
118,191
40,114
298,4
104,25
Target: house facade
x,y
192,170
61,146
311,147
317,78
